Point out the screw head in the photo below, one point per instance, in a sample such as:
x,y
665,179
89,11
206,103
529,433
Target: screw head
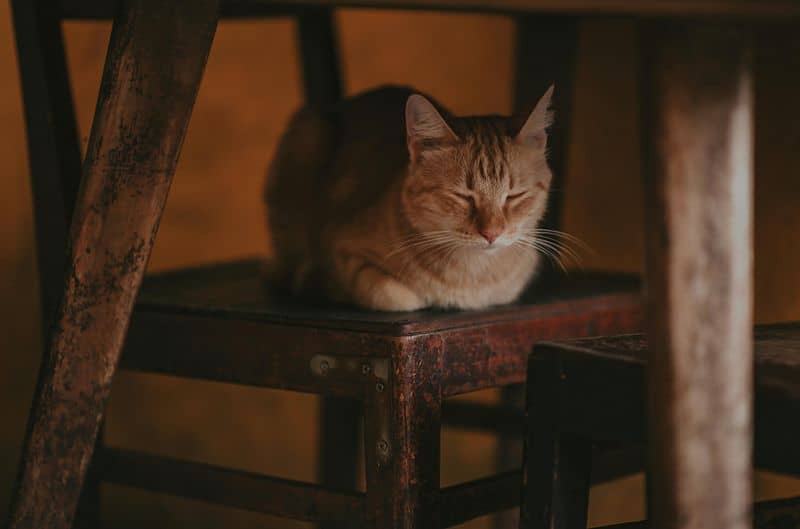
x,y
366,369
379,387
324,366
383,446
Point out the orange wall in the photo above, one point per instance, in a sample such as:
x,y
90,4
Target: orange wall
x,y
251,86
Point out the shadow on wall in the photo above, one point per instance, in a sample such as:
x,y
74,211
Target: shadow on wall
x,y
251,86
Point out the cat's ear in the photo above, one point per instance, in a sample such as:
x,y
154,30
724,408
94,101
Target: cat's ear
x,y
425,127
534,131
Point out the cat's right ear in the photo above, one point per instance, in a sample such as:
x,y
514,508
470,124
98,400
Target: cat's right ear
x,y
425,127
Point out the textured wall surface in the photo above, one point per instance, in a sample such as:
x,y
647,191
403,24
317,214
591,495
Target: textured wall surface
x,y
251,86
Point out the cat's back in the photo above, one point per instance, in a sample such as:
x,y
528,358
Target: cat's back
x,y
332,164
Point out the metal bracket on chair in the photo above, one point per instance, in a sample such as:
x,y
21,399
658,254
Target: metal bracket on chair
x,y
351,367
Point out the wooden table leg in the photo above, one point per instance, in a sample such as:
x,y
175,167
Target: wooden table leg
x,y
155,61
698,106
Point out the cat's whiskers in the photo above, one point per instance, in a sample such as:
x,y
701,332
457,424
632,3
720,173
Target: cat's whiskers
x,y
422,241
559,242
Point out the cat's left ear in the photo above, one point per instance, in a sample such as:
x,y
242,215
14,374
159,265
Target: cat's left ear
x,y
425,127
534,131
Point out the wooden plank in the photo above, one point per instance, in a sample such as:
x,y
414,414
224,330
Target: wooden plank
x,y
54,153
466,501
489,356
232,488
750,8
252,353
698,153
156,57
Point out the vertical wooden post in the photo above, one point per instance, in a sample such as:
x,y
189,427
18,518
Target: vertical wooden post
x,y
558,465
54,153
319,52
544,55
697,114
403,440
155,61
340,419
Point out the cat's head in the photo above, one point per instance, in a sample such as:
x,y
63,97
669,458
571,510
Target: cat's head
x,y
478,182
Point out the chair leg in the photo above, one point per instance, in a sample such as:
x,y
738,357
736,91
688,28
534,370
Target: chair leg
x,y
402,426
557,464
319,52
698,105
54,152
545,54
322,85
156,57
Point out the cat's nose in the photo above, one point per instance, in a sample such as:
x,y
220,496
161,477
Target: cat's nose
x,y
490,234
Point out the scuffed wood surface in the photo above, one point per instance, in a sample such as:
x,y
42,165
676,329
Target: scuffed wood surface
x,y
698,106
156,57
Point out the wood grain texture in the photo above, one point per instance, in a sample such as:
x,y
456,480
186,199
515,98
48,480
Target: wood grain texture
x,y
54,153
758,8
156,57
416,426
698,106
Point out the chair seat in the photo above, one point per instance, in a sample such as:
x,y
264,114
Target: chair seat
x,y
604,388
222,322
238,290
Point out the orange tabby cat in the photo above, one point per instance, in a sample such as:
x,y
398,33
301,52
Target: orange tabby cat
x,y
441,211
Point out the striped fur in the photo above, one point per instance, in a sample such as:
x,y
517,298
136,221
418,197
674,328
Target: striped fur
x,y
436,213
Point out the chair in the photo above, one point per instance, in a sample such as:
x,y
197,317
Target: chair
x,y
589,391
394,369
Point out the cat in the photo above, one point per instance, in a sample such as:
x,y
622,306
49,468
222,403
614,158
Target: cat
x,y
387,201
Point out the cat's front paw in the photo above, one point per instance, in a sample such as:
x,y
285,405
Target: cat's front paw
x,y
388,294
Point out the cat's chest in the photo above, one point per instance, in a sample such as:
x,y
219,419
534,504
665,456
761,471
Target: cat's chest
x,y
478,286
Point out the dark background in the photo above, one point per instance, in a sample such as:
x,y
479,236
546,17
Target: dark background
x,y
214,212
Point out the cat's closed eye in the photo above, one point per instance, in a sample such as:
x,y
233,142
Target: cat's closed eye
x,y
467,199
513,197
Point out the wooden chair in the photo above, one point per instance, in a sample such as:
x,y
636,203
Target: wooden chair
x,y
589,391
393,370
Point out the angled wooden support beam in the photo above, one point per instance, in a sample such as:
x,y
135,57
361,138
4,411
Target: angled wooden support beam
x,y
697,113
155,61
